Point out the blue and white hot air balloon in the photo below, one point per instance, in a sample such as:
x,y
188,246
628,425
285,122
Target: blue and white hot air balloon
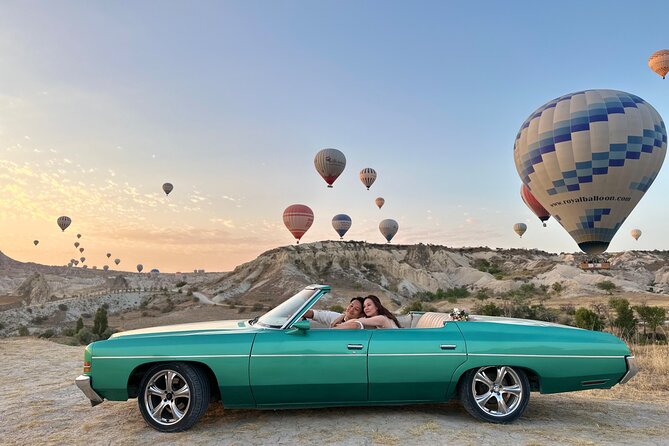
x,y
341,223
388,228
588,158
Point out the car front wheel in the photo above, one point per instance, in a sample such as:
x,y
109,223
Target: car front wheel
x,y
497,394
173,397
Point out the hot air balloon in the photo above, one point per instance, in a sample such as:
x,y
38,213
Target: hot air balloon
x,y
83,259
588,158
140,267
106,267
117,261
78,235
76,244
81,249
533,204
330,163
379,202
520,228
64,222
167,188
298,219
341,223
635,233
36,242
84,266
659,62
108,254
368,176
388,228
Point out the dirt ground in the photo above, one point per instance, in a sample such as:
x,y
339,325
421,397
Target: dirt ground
x,y
41,405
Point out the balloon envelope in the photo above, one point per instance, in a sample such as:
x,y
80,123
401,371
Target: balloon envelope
x,y
140,267
106,267
368,176
520,228
83,259
167,188
635,233
659,62
81,249
388,228
379,202
117,261
36,242
588,158
533,204
64,222
298,219
330,163
108,254
341,223
78,235
76,244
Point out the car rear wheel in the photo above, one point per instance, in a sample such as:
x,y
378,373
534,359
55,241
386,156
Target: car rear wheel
x,y
173,397
497,394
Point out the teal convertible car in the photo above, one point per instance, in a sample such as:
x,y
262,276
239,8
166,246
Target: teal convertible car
x,y
280,360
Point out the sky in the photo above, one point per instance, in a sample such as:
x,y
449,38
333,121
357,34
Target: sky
x,y
103,102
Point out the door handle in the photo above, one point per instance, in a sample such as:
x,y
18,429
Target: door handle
x,y
448,346
355,346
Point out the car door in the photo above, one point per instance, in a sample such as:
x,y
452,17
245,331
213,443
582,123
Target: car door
x,y
414,364
309,367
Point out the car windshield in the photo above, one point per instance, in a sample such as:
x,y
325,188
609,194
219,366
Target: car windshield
x,y
278,316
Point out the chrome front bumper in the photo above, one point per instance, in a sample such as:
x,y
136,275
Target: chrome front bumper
x,y
84,384
632,369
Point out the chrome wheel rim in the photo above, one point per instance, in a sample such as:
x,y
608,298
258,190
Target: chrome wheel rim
x,y
167,397
497,390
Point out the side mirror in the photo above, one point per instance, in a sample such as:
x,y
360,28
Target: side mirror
x,y
299,327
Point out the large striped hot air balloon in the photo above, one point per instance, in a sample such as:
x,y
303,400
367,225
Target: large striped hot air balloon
x,y
520,228
368,176
659,62
330,163
588,158
388,228
298,219
64,222
533,204
341,223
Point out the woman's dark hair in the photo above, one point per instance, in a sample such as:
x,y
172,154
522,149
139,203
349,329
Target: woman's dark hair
x,y
382,310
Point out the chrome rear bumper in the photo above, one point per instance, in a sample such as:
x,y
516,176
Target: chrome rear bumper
x,y
632,369
84,384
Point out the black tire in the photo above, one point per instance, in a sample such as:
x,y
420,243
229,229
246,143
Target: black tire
x,y
497,394
173,397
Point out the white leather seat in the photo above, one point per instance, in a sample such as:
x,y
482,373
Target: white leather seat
x,y
433,320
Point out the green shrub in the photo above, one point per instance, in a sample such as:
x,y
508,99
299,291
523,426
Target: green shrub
x,y
2,326
558,287
80,325
47,334
37,320
337,308
108,332
568,308
489,309
68,332
62,307
482,294
105,306
584,318
85,336
607,286
23,331
417,305
624,322
652,317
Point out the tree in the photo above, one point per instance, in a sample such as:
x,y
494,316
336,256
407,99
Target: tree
x,y
651,316
100,321
607,286
80,325
624,322
588,319
558,287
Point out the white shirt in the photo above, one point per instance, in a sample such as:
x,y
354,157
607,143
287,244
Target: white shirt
x,y
325,317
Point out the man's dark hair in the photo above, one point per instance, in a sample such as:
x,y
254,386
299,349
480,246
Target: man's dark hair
x,y
359,299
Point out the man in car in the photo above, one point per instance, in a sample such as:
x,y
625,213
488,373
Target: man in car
x,y
332,318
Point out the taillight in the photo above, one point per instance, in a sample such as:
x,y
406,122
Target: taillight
x,y
87,367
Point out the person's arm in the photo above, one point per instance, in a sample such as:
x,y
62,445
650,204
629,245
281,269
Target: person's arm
x,y
309,314
379,321
324,317
353,324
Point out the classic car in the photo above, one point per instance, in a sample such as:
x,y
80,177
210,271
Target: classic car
x,y
280,360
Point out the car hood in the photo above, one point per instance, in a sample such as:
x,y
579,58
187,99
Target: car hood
x,y
196,327
516,321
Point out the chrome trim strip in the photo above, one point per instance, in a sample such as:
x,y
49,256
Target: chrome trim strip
x,y
632,369
84,384
418,354
357,356
351,355
169,357
546,356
